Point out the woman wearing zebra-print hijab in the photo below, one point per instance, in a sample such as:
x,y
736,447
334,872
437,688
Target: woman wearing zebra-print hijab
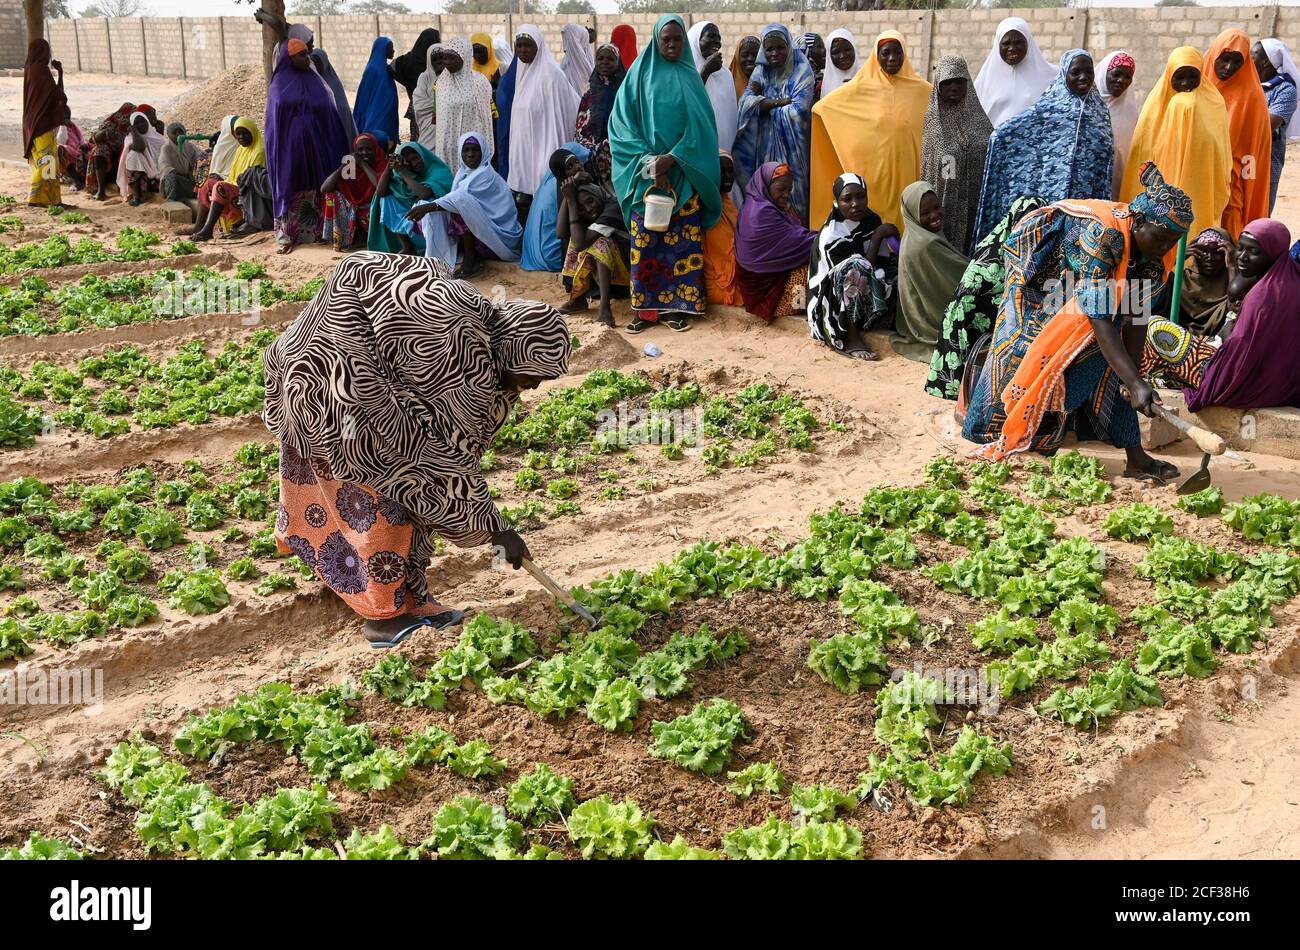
x,y
384,393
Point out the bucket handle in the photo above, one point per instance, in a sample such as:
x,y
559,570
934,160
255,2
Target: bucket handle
x,y
668,191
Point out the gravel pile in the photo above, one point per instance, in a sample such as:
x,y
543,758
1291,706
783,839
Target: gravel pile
x,y
240,89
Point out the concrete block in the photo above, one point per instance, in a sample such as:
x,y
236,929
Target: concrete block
x,y
1269,431
178,212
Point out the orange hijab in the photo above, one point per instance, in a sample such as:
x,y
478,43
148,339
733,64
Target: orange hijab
x,y
1038,386
720,283
1249,129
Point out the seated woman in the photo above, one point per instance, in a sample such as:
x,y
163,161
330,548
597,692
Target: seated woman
x,y
929,270
1204,306
347,192
591,224
137,169
974,306
414,175
1255,366
721,285
1057,366
542,249
477,217
177,162
772,247
241,202
374,472
850,282
106,150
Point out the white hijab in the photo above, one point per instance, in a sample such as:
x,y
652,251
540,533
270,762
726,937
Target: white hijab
x,y
424,99
833,77
721,88
1005,90
1280,57
578,60
223,153
505,53
464,105
146,161
542,117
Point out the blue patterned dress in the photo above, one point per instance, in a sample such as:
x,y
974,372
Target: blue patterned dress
x,y
1046,254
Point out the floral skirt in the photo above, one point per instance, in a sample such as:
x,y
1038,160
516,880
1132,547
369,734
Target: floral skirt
x,y
361,544
227,192
341,220
301,221
668,266
44,161
1176,355
580,266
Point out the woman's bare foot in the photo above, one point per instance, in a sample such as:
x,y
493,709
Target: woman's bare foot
x,y
284,249
859,351
605,315
200,236
575,305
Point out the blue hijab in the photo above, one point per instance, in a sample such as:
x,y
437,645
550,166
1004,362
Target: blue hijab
x,y
375,109
1060,147
783,134
505,100
483,199
542,248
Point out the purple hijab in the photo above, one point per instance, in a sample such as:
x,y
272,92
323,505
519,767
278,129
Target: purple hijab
x,y
769,240
1255,367
305,140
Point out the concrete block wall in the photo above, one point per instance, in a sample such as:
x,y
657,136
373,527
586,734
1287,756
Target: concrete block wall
x,y
211,44
13,35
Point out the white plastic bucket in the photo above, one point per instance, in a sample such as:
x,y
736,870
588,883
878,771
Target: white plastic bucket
x,y
658,210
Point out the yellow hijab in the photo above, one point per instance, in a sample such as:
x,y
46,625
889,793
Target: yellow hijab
x,y
871,126
248,156
488,69
1186,135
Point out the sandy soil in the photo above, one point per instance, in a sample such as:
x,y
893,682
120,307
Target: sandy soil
x,y
1237,801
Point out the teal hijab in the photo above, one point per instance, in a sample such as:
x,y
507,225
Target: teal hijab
x,y
662,108
436,175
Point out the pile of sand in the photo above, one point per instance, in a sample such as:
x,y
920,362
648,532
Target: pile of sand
x,y
240,90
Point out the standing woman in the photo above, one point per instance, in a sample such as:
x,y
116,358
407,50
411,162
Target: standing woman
x,y
544,112
706,48
775,114
743,61
1060,365
929,270
1183,129
384,394
843,52
424,102
850,285
375,110
489,68
1280,81
593,112
304,143
321,62
974,305
578,62
954,148
464,104
1061,147
44,108
410,66
814,47
1115,82
505,99
1015,73
624,37
1229,68
872,126
661,135
773,247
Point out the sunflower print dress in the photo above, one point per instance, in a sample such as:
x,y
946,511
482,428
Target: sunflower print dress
x,y
668,266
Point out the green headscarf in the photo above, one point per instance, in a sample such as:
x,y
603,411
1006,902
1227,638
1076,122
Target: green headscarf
x,y
662,108
929,270
436,175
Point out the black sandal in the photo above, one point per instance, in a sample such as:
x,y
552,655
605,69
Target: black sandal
x,y
676,321
1164,474
636,325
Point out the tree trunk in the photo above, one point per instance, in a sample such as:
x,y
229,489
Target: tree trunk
x,y
270,37
34,11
